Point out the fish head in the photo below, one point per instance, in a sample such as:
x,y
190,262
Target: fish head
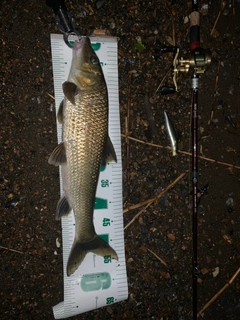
x,y
86,71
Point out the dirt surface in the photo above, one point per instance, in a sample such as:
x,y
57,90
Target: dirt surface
x,y
31,273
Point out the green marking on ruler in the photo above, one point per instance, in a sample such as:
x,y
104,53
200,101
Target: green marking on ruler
x,y
102,168
95,281
96,46
106,222
110,300
104,237
105,183
100,203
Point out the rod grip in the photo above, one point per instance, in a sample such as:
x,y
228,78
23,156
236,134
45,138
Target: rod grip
x,y
194,30
166,49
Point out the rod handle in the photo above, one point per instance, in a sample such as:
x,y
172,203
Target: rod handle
x,y
167,49
194,30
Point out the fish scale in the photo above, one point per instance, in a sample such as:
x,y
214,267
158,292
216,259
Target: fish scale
x,y
83,153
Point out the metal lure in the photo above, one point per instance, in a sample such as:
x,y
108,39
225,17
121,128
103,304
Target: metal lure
x,y
171,133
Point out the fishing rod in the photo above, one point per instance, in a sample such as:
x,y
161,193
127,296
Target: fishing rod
x,y
198,61
195,48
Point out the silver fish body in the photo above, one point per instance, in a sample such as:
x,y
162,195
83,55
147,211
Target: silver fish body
x,y
84,116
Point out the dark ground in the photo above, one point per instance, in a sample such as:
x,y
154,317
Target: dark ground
x,y
31,277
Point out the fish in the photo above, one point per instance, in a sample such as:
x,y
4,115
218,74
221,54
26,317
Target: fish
x,y
84,148
171,133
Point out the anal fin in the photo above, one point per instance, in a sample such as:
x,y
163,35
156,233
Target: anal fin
x,y
63,208
58,156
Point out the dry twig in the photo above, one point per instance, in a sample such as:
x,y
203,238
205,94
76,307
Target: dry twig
x,y
50,96
163,79
127,128
5,248
222,6
137,215
185,153
215,91
170,12
156,256
150,117
152,200
219,293
234,12
138,205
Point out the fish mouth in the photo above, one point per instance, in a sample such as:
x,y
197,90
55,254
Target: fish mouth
x,y
79,44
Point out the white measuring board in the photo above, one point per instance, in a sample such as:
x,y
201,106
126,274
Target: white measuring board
x,y
98,281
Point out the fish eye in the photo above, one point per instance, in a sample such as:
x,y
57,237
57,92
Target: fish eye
x,y
94,60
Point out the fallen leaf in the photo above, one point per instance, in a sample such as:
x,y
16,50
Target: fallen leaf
x,y
171,236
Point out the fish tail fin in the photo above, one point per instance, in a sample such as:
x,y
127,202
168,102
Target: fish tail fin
x,y
80,249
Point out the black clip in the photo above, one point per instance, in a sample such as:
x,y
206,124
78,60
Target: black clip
x,y
65,21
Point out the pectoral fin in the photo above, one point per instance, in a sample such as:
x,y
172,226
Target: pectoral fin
x,y
109,154
70,90
58,156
